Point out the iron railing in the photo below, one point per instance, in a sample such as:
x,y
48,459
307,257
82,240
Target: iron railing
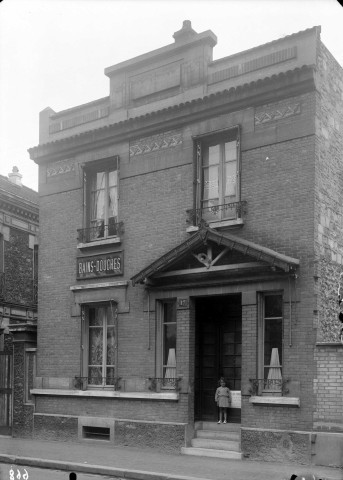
x,y
100,232
226,211
82,383
260,386
156,384
150,384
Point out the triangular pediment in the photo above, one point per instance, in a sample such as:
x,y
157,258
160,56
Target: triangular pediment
x,y
212,254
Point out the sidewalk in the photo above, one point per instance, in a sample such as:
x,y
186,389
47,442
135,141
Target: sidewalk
x,y
139,464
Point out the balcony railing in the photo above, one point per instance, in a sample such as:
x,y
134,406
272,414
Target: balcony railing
x,y
226,211
129,384
263,386
157,384
100,232
82,383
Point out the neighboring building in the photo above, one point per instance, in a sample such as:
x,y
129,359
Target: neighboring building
x,y
18,299
191,227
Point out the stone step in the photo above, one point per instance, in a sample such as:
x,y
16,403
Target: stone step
x,y
219,435
209,443
226,427
208,452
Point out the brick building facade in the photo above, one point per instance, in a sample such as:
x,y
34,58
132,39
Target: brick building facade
x,y
191,228
18,302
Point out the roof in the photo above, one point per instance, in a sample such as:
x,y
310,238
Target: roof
x,y
19,191
300,74
258,252
316,29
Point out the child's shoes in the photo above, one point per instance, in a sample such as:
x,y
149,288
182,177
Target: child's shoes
x,y
219,421
224,421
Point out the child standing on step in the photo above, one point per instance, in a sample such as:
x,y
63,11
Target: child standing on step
x,y
223,399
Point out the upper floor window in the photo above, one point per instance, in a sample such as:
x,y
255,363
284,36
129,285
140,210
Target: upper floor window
x,y
218,176
101,201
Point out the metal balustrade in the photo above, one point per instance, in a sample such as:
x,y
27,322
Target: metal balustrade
x,y
260,386
100,231
226,211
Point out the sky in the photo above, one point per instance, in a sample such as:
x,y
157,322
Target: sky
x,y
54,52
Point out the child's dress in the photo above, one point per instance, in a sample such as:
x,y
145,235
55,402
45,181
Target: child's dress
x,y
222,397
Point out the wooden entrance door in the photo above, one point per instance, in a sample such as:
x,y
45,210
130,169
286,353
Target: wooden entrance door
x,y
5,393
218,352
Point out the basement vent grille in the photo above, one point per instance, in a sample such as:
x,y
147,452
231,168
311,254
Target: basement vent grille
x,y
96,433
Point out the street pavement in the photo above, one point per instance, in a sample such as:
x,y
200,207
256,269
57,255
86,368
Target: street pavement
x,y
100,458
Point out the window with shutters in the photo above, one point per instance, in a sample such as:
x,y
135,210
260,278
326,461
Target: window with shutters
x,y
217,177
101,202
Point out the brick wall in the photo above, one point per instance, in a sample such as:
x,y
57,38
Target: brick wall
x,y
328,386
58,333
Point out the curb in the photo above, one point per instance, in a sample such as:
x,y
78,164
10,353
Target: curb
x,y
92,469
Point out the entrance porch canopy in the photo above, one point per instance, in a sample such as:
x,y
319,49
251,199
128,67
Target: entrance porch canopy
x,y
209,253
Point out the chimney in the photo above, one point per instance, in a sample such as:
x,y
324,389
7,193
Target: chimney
x,y
15,177
186,33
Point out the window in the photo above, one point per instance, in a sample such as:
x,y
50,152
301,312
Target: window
x,y
218,176
101,201
166,343
99,344
270,341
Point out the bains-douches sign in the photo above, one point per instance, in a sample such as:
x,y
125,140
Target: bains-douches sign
x,y
96,266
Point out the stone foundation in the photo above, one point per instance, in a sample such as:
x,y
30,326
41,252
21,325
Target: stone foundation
x,y
276,446
165,437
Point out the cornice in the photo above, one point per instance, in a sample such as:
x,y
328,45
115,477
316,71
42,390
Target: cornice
x,y
19,208
269,89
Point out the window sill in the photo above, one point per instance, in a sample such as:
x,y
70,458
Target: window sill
x,y
173,396
99,243
278,401
221,224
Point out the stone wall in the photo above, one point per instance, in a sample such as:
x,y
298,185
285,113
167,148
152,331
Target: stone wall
x,y
276,445
18,268
22,412
164,437
328,411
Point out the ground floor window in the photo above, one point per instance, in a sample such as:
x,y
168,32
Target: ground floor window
x,y
166,343
99,344
270,335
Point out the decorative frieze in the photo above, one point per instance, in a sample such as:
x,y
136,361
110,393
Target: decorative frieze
x,y
155,143
60,168
277,113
